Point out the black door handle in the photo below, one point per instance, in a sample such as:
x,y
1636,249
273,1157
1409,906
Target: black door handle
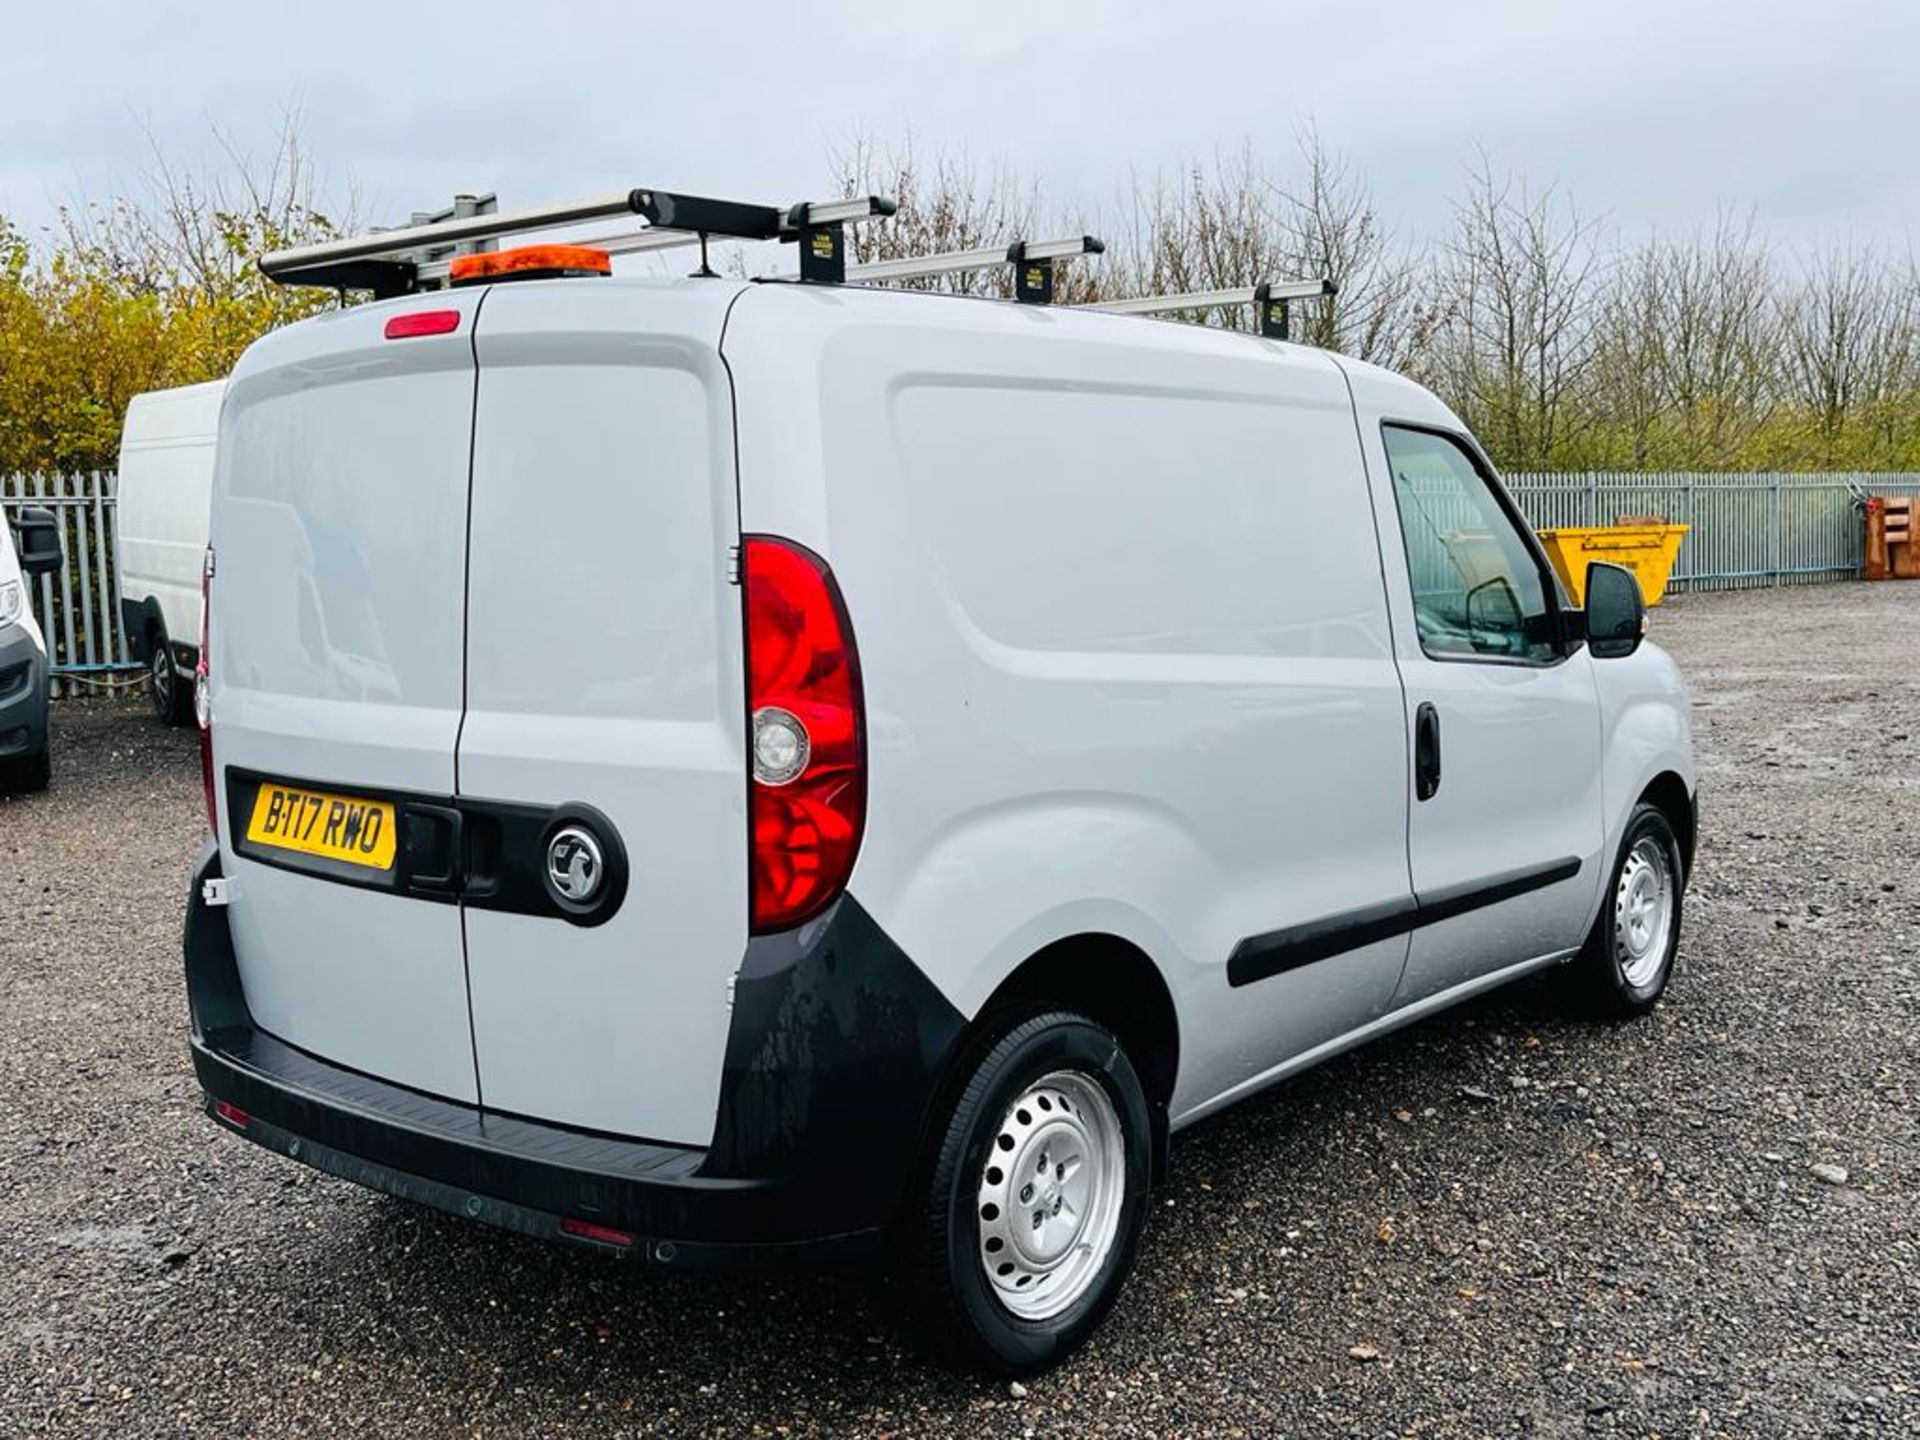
x,y
1426,751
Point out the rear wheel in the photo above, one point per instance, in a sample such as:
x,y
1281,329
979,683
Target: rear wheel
x,y
1032,1209
170,699
1624,967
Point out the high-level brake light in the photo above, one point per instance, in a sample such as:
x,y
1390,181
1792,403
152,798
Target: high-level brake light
x,y
808,764
422,322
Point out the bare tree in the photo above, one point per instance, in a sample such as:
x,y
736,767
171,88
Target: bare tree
x,y
1851,343
945,204
205,228
1218,227
1330,230
1517,286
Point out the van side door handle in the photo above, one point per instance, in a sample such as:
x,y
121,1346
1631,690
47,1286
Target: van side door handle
x,y
1426,751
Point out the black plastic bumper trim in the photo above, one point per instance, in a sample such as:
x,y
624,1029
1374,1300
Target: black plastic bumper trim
x,y
834,1055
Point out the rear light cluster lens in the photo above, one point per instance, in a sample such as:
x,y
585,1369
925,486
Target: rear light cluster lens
x,y
599,1234
809,790
232,1114
203,696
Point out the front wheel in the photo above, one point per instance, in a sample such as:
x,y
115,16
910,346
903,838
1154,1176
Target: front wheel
x,y
1033,1207
1624,967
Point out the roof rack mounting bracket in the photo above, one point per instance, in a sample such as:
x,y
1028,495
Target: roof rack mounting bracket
x,y
819,227
1032,275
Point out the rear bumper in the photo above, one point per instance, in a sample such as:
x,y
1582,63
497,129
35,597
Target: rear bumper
x,y
23,694
779,1185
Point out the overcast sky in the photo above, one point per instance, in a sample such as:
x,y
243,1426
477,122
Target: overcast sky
x,y
1650,112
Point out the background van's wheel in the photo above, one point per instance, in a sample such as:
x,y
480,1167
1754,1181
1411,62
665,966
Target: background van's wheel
x,y
30,775
1623,968
1033,1204
170,697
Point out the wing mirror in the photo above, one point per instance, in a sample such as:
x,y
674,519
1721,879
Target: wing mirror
x,y
1616,611
1494,620
38,546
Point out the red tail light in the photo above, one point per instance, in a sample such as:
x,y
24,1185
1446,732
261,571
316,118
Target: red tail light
x,y
807,740
203,697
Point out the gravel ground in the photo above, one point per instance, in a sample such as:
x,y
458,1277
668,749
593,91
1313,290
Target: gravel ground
x,y
1496,1222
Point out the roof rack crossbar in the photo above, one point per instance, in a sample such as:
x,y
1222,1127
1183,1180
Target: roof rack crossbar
x,y
986,257
1271,297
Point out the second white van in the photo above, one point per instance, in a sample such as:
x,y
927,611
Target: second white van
x,y
165,480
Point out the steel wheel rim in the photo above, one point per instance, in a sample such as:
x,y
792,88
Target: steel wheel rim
x,y
1051,1190
1643,911
160,676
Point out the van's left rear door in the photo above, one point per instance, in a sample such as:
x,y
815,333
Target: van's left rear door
x,y
337,627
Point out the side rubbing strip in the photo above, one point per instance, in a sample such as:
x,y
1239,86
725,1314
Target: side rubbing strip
x,y
1438,905
1260,956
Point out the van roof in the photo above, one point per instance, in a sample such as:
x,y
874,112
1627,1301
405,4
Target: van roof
x,y
182,413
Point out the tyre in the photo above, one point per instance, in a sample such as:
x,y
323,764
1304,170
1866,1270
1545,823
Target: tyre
x,y
28,776
1033,1200
1623,968
171,700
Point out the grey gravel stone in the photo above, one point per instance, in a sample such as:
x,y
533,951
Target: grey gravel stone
x,y
1538,1270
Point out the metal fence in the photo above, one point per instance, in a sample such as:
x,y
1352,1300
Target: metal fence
x,y
79,604
1748,529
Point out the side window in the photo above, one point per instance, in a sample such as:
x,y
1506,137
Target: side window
x,y
1477,588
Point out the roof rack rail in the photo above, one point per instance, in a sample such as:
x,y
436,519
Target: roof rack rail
x,y
1271,297
1032,259
383,263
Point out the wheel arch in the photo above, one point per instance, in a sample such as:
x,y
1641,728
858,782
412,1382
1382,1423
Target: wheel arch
x,y
1668,793
1111,980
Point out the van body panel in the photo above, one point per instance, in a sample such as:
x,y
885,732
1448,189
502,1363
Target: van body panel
x,y
604,668
339,529
162,498
1127,661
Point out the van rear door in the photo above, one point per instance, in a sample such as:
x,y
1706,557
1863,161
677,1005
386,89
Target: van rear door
x,y
339,531
605,695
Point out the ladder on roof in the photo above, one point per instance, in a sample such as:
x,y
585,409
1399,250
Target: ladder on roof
x,y
421,254
387,262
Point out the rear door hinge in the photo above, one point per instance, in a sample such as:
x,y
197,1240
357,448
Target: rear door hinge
x,y
733,564
214,891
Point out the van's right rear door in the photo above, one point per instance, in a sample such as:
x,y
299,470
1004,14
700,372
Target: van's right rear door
x,y
606,690
339,530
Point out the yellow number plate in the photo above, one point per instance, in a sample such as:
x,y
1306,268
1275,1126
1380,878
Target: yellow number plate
x,y
314,822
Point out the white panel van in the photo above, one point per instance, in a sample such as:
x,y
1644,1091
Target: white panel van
x,y
166,476
712,770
